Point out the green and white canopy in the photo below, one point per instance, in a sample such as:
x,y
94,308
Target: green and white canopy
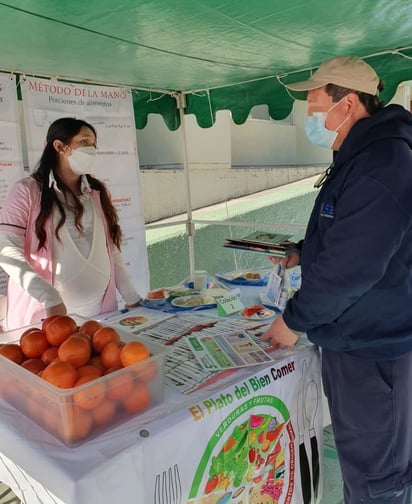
x,y
222,54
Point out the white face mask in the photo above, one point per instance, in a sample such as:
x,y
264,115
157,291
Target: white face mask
x,y
316,130
82,160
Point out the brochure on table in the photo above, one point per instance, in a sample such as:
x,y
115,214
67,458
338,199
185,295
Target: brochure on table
x,y
134,320
227,351
282,285
183,371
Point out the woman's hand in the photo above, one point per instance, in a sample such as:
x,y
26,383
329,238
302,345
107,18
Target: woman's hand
x,y
59,309
134,305
291,260
279,334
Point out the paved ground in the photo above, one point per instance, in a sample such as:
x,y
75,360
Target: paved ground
x,y
7,496
332,478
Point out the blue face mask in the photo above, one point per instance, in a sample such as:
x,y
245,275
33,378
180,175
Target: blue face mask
x,y
316,130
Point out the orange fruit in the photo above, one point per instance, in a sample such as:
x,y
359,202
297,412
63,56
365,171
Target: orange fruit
x,y
34,343
91,396
138,399
33,365
13,352
50,355
47,320
76,425
119,386
59,329
75,350
30,329
111,354
103,412
90,327
84,335
35,407
103,336
51,417
60,374
89,370
97,362
147,371
112,369
133,351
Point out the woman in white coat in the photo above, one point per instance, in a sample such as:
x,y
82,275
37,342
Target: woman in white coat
x,y
60,236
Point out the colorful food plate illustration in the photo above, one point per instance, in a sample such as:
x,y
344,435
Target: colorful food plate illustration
x,y
253,463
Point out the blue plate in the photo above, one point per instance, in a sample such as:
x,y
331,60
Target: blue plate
x,y
239,277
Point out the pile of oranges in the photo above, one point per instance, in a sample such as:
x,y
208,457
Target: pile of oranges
x,y
69,356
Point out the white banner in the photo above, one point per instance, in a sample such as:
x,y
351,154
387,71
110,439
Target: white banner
x,y
257,441
11,159
110,111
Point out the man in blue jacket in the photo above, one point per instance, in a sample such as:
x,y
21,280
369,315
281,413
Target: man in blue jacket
x,y
355,301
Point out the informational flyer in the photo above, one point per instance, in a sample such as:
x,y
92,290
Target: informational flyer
x,y
11,157
134,320
226,351
110,111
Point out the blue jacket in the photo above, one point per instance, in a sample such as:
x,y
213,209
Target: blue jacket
x,y
356,258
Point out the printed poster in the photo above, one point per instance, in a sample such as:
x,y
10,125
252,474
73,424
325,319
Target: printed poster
x,y
257,441
11,158
110,111
134,320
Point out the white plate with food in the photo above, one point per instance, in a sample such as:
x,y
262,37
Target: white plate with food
x,y
176,292
214,292
193,301
257,312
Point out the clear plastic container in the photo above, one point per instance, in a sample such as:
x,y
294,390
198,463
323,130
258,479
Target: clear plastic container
x,y
78,414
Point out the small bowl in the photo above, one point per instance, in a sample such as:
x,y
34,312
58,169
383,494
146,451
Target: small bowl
x,y
157,297
155,302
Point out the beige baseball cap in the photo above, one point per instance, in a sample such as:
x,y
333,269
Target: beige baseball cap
x,y
346,71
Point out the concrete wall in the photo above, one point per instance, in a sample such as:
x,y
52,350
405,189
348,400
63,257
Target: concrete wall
x,y
226,161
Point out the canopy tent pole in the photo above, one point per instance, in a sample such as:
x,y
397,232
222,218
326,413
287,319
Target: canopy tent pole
x,y
190,226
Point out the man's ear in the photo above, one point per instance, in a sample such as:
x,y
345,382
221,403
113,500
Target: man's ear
x,y
352,101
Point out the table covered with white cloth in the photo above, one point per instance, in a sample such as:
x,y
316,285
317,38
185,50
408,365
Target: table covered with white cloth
x,y
253,435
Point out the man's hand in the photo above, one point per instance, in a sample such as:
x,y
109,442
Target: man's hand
x,y
279,334
291,260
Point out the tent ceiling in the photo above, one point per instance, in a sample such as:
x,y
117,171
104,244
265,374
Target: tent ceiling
x,y
224,53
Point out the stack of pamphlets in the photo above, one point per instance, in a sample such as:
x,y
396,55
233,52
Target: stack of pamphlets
x,y
263,242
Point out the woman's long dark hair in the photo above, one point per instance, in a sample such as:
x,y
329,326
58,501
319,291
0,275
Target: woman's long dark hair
x,y
65,129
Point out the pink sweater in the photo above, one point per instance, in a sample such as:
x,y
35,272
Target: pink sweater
x,y
18,216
